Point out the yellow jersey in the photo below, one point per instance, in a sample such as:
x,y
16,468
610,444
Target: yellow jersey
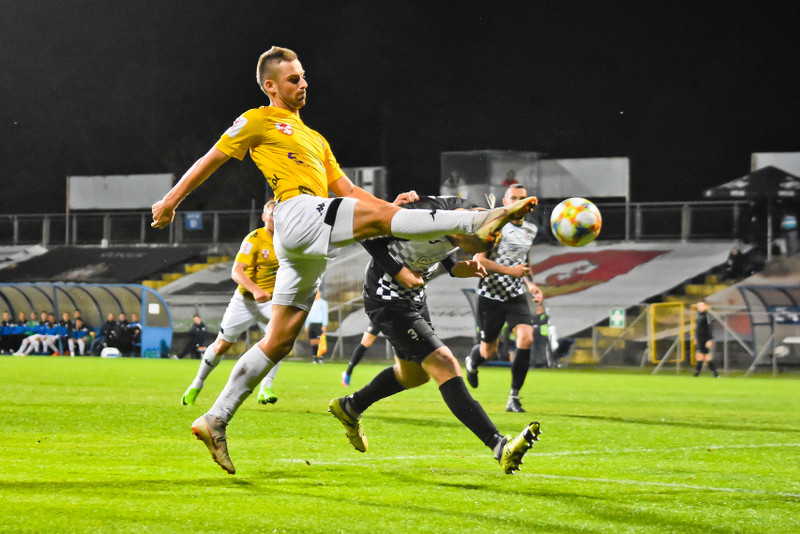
x,y
293,158
258,253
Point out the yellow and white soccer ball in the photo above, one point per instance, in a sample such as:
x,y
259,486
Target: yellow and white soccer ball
x,y
575,222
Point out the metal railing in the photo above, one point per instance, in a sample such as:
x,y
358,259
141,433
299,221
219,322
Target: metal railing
x,y
639,221
126,228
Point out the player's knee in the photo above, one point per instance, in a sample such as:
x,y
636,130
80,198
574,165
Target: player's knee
x,y
488,349
442,364
524,341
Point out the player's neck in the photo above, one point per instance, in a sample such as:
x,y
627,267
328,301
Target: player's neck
x,y
284,107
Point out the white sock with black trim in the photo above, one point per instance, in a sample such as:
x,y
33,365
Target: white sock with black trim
x,y
245,376
208,362
431,224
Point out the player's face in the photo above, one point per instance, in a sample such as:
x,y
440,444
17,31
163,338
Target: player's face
x,y
269,220
512,195
288,89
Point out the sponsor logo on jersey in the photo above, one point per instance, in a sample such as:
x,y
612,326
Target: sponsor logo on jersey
x,y
236,127
247,246
284,128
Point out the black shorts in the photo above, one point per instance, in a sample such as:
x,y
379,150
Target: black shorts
x,y
314,330
373,329
700,346
493,313
407,326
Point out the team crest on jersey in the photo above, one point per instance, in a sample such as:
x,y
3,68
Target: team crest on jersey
x,y
236,127
284,128
265,253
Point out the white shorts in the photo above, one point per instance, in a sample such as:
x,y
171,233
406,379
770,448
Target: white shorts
x,y
241,314
305,227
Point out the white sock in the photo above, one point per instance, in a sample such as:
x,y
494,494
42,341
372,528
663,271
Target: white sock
x,y
208,362
245,376
267,382
429,224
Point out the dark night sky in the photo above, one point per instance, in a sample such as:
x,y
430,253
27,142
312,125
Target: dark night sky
x,y
686,90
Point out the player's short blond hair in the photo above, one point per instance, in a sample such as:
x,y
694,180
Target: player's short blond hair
x,y
268,64
269,205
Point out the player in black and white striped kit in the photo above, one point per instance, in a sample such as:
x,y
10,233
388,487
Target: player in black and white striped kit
x,y
395,301
502,299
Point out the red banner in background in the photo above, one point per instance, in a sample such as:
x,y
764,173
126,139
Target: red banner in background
x,y
570,273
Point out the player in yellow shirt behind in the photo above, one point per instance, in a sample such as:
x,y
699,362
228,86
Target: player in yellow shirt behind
x,y
254,270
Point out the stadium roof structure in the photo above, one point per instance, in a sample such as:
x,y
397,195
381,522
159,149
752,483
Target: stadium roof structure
x,y
768,183
765,183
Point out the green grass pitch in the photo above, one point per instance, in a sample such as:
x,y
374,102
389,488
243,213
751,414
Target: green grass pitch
x,y
91,445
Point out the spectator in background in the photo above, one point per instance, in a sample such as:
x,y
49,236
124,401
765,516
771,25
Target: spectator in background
x,y
5,332
452,184
108,335
67,324
511,179
197,339
122,325
17,332
52,335
133,334
123,341
735,264
703,340
316,324
35,332
80,335
789,229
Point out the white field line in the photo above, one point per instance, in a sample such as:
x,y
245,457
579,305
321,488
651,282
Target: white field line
x,y
383,459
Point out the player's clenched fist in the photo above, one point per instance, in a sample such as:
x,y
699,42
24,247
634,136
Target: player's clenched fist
x,y
162,215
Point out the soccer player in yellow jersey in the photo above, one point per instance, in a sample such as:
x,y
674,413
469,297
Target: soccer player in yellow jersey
x,y
300,167
254,269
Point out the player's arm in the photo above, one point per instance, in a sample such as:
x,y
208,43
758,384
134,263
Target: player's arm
x,y
164,209
343,187
517,271
239,275
536,293
404,276
468,269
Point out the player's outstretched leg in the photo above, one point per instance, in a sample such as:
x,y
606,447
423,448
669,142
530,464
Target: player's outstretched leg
x,y
211,431
511,453
352,423
496,218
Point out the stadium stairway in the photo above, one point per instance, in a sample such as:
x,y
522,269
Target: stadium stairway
x,y
185,269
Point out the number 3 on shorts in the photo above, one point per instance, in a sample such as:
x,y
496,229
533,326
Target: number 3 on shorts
x,y
413,334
